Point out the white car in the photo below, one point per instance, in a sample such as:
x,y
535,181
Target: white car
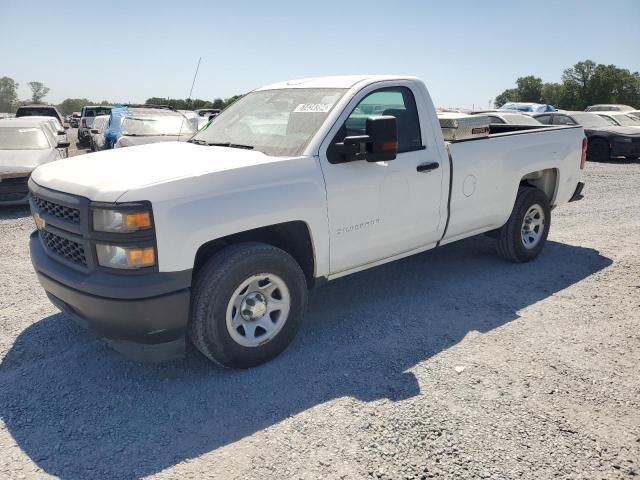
x,y
609,108
97,140
295,184
622,119
24,145
52,123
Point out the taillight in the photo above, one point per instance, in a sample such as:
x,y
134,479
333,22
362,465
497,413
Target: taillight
x,y
84,123
583,158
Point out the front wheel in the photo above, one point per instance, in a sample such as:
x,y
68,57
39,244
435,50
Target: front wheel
x,y
247,304
523,236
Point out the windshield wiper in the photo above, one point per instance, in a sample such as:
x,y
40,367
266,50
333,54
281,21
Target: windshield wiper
x,y
232,145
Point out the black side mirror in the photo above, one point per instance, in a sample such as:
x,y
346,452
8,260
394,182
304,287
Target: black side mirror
x,y
94,130
63,144
380,144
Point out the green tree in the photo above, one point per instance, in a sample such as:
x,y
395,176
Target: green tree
x,y
70,105
509,95
529,89
8,94
552,93
584,84
38,91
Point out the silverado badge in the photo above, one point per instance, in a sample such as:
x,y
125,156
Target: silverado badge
x,y
40,223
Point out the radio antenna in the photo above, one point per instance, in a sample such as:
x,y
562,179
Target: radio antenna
x,y
190,93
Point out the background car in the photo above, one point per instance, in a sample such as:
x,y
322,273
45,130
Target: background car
x,y
87,116
141,126
634,113
24,145
606,139
39,111
58,130
74,121
499,117
622,119
96,140
608,108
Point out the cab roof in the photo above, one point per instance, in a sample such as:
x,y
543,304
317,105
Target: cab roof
x,y
341,81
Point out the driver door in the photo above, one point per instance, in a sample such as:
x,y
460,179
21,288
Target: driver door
x,y
382,209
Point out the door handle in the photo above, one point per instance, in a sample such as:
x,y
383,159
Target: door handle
x,y
427,167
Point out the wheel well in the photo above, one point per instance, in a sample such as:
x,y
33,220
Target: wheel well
x,y
598,139
545,180
292,237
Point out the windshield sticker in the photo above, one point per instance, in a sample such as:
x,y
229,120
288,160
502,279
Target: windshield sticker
x,y
313,107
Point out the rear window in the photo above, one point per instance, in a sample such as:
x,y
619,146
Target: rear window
x,y
95,111
36,111
23,138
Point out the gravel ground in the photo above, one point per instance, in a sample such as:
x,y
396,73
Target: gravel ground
x,y
463,366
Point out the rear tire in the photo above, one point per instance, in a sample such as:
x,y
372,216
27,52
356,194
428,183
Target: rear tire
x,y
247,305
598,150
522,238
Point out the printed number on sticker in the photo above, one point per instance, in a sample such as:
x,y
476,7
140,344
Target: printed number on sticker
x,y
313,107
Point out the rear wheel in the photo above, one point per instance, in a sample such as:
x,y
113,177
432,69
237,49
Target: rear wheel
x,y
523,236
247,305
598,150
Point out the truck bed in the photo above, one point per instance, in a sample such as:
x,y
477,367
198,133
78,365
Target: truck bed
x,y
486,173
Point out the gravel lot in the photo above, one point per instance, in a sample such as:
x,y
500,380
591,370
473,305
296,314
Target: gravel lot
x,y
462,366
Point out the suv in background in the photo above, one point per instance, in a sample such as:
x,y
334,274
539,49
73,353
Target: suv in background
x,y
86,121
39,111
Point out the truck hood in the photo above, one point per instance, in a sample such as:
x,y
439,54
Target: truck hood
x,y
105,176
23,161
130,141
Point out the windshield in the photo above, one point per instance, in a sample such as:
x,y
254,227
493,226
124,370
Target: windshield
x,y
22,138
276,122
160,125
626,120
592,120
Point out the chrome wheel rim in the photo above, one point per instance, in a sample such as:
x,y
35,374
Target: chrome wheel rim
x,y
258,309
533,226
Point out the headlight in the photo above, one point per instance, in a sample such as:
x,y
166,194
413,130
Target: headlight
x,y
125,257
623,140
119,221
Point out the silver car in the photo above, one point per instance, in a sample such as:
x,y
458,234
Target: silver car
x,y
24,145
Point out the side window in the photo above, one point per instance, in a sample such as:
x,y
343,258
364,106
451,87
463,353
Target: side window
x,y
563,120
546,119
395,101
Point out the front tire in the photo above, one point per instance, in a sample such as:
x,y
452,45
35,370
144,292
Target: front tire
x,y
247,305
522,238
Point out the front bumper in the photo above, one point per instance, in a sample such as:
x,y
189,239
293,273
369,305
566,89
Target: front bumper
x,y
14,190
625,149
139,314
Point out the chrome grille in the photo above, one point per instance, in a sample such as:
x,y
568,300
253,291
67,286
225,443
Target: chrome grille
x,y
68,214
67,249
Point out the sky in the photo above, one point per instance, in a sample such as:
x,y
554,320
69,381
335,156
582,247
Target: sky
x,y
467,52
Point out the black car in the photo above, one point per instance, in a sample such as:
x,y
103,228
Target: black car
x,y
606,140
39,111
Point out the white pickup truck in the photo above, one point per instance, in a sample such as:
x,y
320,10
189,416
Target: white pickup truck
x,y
219,239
